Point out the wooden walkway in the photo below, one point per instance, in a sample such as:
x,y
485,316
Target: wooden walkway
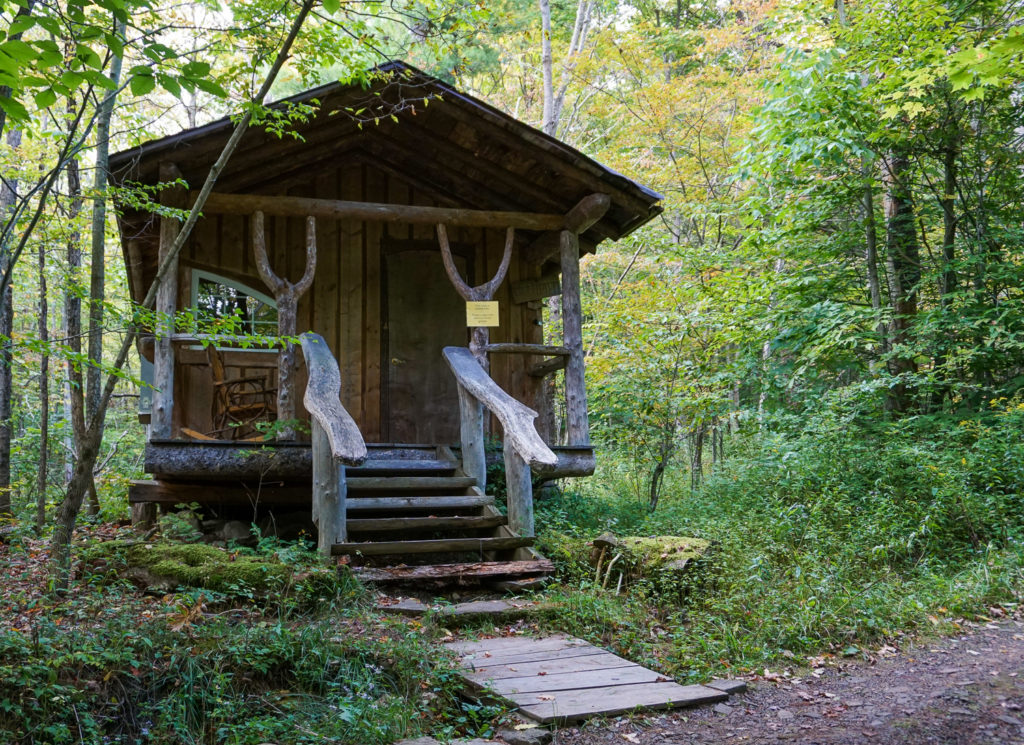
x,y
564,679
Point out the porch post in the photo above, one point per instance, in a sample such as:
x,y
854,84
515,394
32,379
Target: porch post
x,y
471,427
329,492
577,426
518,492
162,416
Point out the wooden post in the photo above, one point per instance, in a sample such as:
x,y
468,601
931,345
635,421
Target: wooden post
x,y
161,419
329,493
480,335
578,428
286,295
471,423
519,492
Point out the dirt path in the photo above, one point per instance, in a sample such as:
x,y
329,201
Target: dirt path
x,y
966,690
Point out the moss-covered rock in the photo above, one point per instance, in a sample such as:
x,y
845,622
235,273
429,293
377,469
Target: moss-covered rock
x,y
665,565
166,565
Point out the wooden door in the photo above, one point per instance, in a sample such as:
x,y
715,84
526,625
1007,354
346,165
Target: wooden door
x,y
423,314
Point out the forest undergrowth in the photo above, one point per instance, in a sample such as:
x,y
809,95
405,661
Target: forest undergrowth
x,y
829,539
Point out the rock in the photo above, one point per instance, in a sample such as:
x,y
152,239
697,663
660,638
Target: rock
x,y
419,741
1007,719
530,736
723,709
235,530
732,687
785,714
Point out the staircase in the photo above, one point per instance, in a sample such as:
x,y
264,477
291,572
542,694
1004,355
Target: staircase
x,y
413,515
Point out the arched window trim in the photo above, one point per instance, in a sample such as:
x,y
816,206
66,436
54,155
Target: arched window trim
x,y
200,274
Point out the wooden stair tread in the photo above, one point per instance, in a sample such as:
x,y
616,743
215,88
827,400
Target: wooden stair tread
x,y
475,570
416,503
405,483
398,524
400,467
432,546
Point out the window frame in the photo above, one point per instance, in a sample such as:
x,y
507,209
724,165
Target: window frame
x,y
201,274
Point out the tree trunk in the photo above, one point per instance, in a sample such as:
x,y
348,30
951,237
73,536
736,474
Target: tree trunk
x,y
905,273
82,476
697,457
97,280
44,396
549,124
8,197
73,314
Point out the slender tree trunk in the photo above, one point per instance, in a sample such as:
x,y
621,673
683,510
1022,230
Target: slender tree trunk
x,y
8,197
905,273
44,397
948,279
697,456
89,450
97,279
550,124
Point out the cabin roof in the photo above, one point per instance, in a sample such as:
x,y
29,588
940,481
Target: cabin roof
x,y
447,144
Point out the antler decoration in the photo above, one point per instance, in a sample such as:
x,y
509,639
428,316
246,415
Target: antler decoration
x,y
480,335
286,295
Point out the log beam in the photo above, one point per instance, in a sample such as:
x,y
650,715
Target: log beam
x,y
244,204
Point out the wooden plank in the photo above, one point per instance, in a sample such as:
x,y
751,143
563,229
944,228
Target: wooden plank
x,y
405,483
484,659
599,661
351,298
517,643
443,545
372,343
402,524
378,212
477,570
378,467
569,706
356,503
575,680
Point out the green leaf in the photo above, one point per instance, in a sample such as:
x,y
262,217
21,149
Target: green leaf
x,y
208,86
14,109
45,98
196,69
169,84
332,6
142,84
18,50
21,25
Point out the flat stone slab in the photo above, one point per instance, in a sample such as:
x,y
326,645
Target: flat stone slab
x,y
563,679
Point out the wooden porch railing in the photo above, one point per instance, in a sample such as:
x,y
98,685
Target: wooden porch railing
x,y
337,441
525,451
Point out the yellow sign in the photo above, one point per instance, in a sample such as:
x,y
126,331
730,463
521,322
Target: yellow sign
x,y
482,313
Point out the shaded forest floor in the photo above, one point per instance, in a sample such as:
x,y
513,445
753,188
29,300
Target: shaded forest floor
x,y
962,690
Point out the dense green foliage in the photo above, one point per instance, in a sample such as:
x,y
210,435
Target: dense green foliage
x,y
813,359
307,662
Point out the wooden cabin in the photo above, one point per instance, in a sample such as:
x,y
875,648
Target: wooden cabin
x,y
412,235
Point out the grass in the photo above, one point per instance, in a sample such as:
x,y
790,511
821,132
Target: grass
x,y
826,540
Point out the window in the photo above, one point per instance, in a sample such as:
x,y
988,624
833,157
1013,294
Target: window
x,y
217,297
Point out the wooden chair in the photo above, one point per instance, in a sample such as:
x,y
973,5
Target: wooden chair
x,y
239,403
